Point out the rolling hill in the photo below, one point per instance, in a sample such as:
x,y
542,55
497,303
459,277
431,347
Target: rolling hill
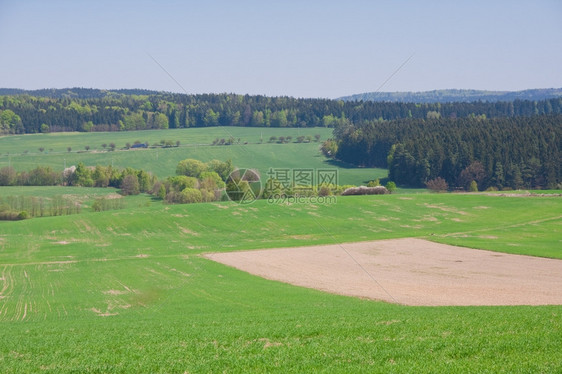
x,y
451,96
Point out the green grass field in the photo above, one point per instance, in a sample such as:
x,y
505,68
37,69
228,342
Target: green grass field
x,y
194,143
126,291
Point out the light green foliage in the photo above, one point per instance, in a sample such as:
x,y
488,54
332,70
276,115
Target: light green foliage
x,y
82,176
160,121
134,121
391,186
181,182
162,191
211,180
87,126
374,183
432,114
223,169
191,195
191,168
211,118
9,122
101,176
473,186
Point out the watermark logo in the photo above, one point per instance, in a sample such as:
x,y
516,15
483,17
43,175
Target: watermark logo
x,y
244,186
283,185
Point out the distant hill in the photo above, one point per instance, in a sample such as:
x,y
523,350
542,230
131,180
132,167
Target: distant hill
x,y
451,96
76,92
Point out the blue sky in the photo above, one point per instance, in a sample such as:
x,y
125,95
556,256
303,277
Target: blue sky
x,y
296,48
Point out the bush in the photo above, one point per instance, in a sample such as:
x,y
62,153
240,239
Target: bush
x,y
363,190
130,185
191,195
329,148
324,191
437,185
209,195
23,215
162,191
391,186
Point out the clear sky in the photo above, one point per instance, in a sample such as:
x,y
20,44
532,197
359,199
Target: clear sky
x,y
297,48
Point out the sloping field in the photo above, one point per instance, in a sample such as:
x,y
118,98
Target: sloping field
x,y
253,150
128,291
409,271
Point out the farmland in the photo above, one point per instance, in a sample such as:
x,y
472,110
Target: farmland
x,y
129,290
126,291
22,151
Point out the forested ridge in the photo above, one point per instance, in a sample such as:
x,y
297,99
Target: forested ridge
x,y
122,110
517,152
447,96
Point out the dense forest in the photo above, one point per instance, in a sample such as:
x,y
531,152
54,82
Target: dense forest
x,y
450,96
122,110
518,152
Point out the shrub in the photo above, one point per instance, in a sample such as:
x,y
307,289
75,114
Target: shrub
x,y
329,148
438,185
191,195
130,185
209,195
363,190
162,191
324,191
391,186
23,215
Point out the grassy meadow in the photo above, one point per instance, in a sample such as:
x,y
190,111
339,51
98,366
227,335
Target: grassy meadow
x,y
126,291
194,143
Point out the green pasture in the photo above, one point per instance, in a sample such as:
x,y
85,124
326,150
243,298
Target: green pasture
x,y
194,143
59,142
127,291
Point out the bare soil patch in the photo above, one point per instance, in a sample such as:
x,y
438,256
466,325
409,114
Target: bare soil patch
x,y
409,271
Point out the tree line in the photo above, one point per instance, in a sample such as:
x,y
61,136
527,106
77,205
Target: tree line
x,y
132,110
518,152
